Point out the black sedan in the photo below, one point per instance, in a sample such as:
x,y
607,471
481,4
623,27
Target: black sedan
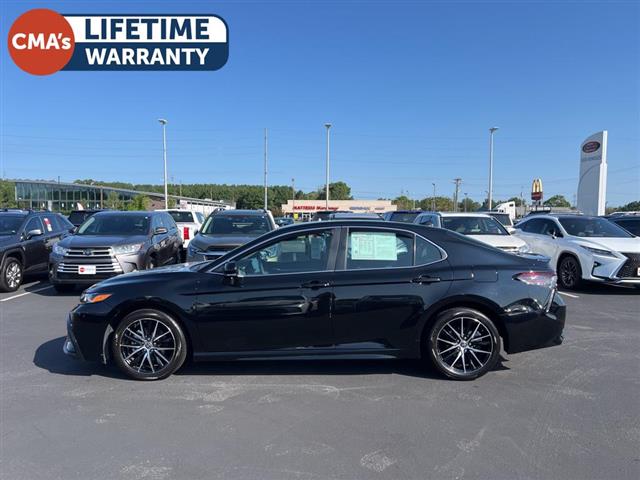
x,y
329,289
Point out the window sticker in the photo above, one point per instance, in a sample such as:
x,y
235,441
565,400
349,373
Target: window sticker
x,y
373,246
47,224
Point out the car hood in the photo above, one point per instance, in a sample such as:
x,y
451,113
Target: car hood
x,y
499,241
204,241
83,241
144,276
629,245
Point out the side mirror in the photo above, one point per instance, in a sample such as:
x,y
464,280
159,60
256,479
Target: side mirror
x,y
230,271
33,233
160,231
73,230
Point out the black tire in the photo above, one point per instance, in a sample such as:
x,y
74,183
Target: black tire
x,y
569,272
148,359
465,356
11,275
63,288
150,262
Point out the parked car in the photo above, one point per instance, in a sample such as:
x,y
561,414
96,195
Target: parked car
x,y
504,219
284,221
26,238
630,222
77,217
584,248
226,230
322,215
479,226
189,224
338,289
110,243
404,216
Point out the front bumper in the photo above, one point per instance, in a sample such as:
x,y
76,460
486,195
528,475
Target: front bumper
x,y
622,270
64,272
536,326
88,330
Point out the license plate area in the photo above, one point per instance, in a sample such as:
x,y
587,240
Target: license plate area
x,y
86,269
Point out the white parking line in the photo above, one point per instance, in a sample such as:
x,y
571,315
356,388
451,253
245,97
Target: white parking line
x,y
25,293
569,294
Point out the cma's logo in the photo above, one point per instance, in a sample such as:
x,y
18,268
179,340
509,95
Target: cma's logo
x,y
591,147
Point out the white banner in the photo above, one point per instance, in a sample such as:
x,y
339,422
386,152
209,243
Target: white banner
x,y
592,185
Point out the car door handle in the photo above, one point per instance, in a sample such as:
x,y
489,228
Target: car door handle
x,y
425,279
316,284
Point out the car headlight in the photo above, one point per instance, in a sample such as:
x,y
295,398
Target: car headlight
x,y
600,251
524,248
193,250
94,297
125,249
59,250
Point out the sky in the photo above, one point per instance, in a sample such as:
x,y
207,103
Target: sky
x,y
410,87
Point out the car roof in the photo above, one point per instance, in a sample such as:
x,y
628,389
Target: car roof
x,y
463,214
407,211
241,212
125,212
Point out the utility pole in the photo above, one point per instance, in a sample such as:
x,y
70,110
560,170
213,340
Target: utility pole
x,y
265,168
328,127
433,199
163,122
293,198
457,181
492,130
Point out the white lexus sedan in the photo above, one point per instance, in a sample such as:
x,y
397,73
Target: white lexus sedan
x,y
583,248
480,226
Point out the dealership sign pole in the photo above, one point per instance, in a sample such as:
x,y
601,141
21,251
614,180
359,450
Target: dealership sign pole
x,y
328,125
592,186
163,122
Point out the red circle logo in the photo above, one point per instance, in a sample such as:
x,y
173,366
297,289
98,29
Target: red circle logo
x,y
41,41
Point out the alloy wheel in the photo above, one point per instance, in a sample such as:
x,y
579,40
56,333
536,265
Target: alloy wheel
x,y
13,275
147,346
464,345
569,272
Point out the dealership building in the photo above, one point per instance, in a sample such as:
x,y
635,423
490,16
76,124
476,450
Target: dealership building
x,y
64,197
305,208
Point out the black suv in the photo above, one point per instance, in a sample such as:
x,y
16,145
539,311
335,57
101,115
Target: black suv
x,y
77,217
26,238
110,243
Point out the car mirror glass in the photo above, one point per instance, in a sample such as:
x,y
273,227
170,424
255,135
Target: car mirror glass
x,y
33,233
160,231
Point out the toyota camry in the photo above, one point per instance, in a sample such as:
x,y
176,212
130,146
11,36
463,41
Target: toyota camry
x,y
337,289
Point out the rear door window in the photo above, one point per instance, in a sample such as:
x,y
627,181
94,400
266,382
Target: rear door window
x,y
182,216
33,223
534,225
368,248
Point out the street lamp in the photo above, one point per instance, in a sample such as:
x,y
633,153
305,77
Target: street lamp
x,y
491,132
328,127
163,122
293,198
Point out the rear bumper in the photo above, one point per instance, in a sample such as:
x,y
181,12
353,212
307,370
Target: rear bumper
x,y
535,327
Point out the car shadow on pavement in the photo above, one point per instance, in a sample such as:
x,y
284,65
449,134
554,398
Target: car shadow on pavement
x,y
49,356
604,289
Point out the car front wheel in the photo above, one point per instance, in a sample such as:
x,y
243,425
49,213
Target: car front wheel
x,y
149,345
463,344
569,273
11,277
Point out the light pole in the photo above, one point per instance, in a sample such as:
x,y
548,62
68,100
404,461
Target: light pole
x,y
163,122
492,130
328,127
265,168
433,199
293,198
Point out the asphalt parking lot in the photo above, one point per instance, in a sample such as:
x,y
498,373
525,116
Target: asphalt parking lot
x,y
571,411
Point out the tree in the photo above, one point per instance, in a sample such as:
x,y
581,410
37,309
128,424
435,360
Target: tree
x,y
442,204
7,194
250,199
139,202
113,201
403,202
557,201
337,191
630,207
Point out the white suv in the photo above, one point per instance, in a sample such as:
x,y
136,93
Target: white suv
x,y
584,248
480,226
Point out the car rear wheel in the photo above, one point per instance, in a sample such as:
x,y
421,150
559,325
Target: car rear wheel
x,y
569,273
11,277
149,345
463,344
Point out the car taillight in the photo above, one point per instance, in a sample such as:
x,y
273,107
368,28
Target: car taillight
x,y
541,279
185,233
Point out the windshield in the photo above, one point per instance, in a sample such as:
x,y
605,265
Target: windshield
x,y
503,218
251,225
403,217
121,225
9,224
593,227
181,216
474,225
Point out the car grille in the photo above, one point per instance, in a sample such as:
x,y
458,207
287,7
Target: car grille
x,y
630,267
101,257
216,251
